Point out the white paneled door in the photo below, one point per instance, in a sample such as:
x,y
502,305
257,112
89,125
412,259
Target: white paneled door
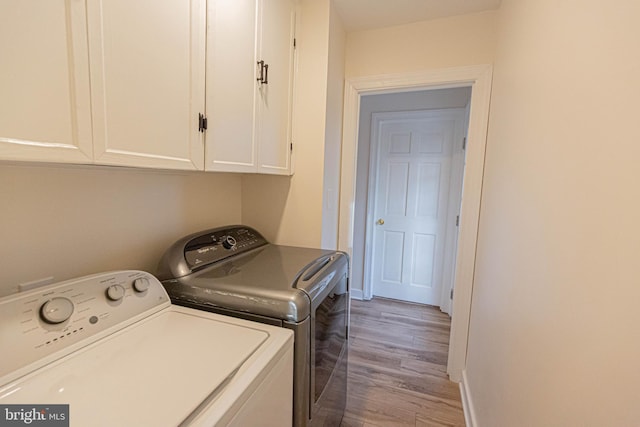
x,y
416,183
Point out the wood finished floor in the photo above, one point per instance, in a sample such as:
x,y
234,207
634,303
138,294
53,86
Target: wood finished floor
x,y
397,367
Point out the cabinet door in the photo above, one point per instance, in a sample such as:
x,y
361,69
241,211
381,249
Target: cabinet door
x,y
147,82
231,85
44,81
275,100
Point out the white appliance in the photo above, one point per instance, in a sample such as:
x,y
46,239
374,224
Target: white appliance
x,y
114,349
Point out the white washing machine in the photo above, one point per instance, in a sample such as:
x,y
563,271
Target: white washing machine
x,y
113,348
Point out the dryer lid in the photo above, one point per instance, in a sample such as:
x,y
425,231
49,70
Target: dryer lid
x,y
273,281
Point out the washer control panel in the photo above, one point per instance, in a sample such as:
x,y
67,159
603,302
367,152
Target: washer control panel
x,y
43,322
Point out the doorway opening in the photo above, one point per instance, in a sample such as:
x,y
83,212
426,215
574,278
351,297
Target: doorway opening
x,y
408,193
478,80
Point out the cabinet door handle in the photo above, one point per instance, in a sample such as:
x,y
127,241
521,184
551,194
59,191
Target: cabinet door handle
x,y
261,77
266,74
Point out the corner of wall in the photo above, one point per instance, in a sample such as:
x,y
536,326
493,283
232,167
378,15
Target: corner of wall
x,y
467,402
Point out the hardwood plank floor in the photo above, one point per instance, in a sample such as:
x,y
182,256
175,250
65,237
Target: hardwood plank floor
x,y
397,367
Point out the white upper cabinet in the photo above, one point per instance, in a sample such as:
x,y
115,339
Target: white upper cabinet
x,y
120,82
147,82
250,58
231,86
44,81
276,93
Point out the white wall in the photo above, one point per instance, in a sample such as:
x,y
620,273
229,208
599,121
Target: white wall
x,y
289,210
555,336
68,221
441,43
407,101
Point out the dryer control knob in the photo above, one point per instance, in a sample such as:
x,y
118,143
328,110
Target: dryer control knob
x,y
56,310
141,284
115,292
228,242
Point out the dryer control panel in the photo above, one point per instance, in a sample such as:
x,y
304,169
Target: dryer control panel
x,y
199,250
217,245
46,323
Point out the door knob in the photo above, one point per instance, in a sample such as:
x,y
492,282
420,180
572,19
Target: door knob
x,y
380,221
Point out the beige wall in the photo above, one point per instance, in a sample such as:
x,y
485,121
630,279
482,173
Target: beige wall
x,y
68,221
555,336
289,210
442,43
333,132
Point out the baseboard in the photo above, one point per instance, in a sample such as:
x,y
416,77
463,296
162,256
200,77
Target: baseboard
x,y
357,294
467,403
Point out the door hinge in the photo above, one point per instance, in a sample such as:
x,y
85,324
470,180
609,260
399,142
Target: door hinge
x,y
457,220
202,122
451,294
464,143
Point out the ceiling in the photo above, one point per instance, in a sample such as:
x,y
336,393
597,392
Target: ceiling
x,y
368,14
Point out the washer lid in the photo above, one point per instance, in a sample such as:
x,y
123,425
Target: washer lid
x,y
156,372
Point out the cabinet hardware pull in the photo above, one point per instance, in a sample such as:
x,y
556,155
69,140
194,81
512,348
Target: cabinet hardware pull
x,y
261,77
202,122
266,74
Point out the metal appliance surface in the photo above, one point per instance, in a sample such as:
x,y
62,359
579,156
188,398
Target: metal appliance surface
x,y
234,271
113,348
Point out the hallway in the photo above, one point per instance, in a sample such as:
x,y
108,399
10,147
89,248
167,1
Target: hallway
x,y
397,367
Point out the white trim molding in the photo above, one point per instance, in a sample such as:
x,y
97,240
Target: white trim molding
x,y
478,77
356,294
467,403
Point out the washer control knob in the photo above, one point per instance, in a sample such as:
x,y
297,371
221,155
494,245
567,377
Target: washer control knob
x,y
141,284
56,310
115,292
228,242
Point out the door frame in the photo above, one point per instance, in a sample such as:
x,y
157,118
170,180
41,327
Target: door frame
x,y
457,169
478,77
